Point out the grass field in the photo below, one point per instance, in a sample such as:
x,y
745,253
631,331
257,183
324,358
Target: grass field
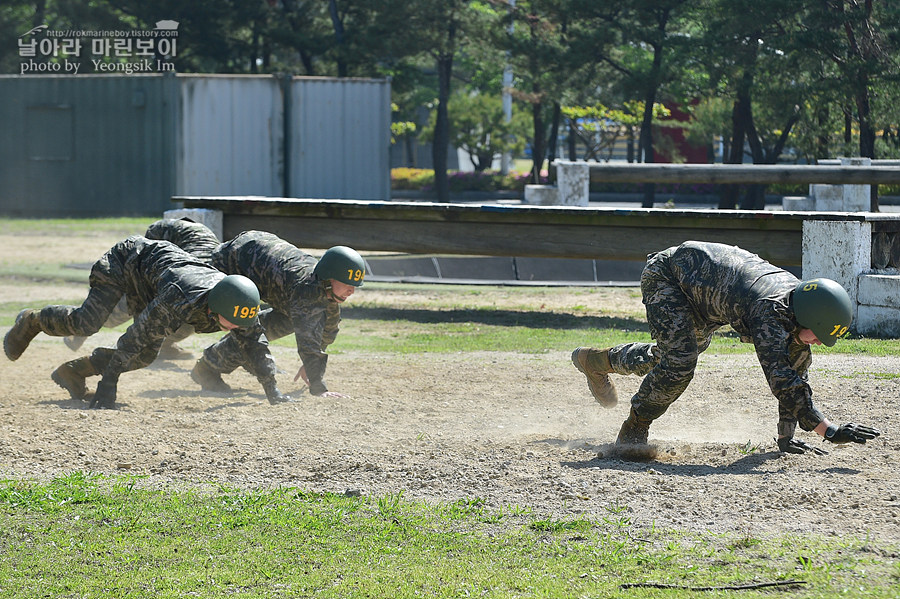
x,y
89,536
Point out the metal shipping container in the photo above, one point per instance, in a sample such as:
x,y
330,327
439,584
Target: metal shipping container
x,y
113,145
341,138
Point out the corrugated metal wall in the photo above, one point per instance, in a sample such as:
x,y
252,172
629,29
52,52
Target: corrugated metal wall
x,y
86,145
341,140
111,145
231,136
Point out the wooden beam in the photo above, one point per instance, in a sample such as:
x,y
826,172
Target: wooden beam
x,y
501,230
613,172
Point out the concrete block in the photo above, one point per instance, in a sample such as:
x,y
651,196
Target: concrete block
x,y
573,181
541,195
880,290
838,251
878,321
856,198
843,198
205,216
798,203
828,198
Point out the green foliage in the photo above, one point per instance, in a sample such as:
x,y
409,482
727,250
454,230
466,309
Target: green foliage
x,y
479,126
459,181
806,70
598,127
411,178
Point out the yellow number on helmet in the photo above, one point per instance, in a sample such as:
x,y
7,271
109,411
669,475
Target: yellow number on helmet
x,y
245,311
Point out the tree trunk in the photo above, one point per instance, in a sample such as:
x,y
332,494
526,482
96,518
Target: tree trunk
x,y
646,144
755,198
822,139
866,131
573,142
442,128
539,146
554,132
338,37
739,114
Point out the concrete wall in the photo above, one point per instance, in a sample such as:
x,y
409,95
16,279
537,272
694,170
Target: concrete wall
x,y
842,251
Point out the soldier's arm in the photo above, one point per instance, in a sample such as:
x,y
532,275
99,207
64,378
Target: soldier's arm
x,y
332,324
255,348
309,323
785,363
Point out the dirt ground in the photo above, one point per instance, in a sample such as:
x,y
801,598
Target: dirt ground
x,y
511,429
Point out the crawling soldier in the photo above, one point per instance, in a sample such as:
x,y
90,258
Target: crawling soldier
x,y
304,295
696,288
197,240
165,288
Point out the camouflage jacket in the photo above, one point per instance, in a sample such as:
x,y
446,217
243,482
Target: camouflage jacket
x,y
166,287
284,275
194,238
727,285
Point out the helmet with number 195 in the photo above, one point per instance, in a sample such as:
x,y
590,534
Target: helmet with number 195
x,y
236,299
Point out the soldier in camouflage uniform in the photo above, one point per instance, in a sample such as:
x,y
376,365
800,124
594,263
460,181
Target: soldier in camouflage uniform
x,y
194,238
694,289
304,295
164,288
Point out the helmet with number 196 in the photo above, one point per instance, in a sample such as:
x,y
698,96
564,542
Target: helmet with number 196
x,y
236,299
824,307
342,264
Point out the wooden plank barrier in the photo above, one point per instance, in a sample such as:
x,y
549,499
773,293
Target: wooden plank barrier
x,y
526,231
720,174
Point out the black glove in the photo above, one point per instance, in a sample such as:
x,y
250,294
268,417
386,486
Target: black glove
x,y
792,445
856,433
105,395
275,396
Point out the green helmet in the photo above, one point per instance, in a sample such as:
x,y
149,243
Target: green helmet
x,y
236,298
822,306
342,264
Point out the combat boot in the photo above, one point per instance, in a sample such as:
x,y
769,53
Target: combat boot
x,y
635,430
74,342
594,364
22,332
71,376
209,379
172,351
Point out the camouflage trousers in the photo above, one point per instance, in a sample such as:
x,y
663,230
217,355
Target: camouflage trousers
x,y
668,364
105,306
107,290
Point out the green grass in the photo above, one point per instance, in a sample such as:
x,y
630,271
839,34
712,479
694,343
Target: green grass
x,y
90,227
84,535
